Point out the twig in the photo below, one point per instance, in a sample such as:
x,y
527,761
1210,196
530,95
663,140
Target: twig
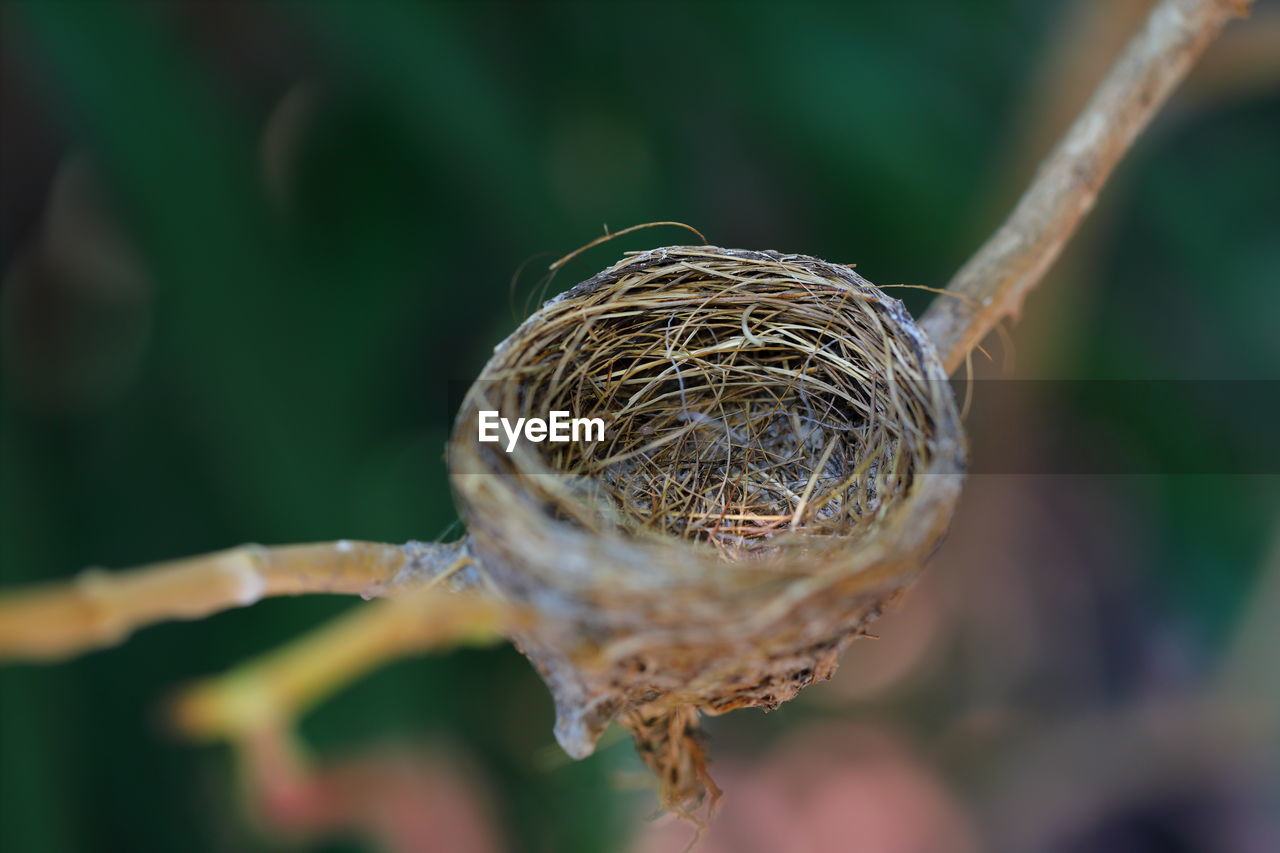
x,y
100,608
999,276
276,689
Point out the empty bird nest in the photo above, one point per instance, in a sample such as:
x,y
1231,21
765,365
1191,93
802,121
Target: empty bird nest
x,y
781,452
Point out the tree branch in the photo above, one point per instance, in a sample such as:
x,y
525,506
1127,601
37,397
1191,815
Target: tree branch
x,y
100,608
998,277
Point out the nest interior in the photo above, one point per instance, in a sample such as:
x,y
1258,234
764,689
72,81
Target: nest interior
x,y
780,452
740,405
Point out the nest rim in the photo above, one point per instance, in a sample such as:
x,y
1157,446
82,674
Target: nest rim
x,y
915,519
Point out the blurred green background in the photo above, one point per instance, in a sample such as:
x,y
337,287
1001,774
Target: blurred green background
x,y
248,248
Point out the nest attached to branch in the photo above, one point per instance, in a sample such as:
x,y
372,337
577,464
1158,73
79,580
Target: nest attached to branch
x,y
781,453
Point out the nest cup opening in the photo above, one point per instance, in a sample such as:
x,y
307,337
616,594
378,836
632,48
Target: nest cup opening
x,y
752,402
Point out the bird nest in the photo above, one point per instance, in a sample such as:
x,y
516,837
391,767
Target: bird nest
x,y
781,451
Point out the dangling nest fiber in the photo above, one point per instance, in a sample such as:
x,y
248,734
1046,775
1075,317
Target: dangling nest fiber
x,y
781,453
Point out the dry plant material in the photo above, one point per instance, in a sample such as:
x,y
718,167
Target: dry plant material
x,y
781,452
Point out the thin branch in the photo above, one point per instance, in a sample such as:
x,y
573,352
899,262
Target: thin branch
x,y
273,691
101,608
998,277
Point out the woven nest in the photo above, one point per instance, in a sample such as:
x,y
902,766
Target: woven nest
x,y
781,453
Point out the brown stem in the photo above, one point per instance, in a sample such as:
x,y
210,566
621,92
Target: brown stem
x,y
100,608
993,283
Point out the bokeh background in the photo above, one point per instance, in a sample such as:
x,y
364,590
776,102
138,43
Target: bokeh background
x,y
248,249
